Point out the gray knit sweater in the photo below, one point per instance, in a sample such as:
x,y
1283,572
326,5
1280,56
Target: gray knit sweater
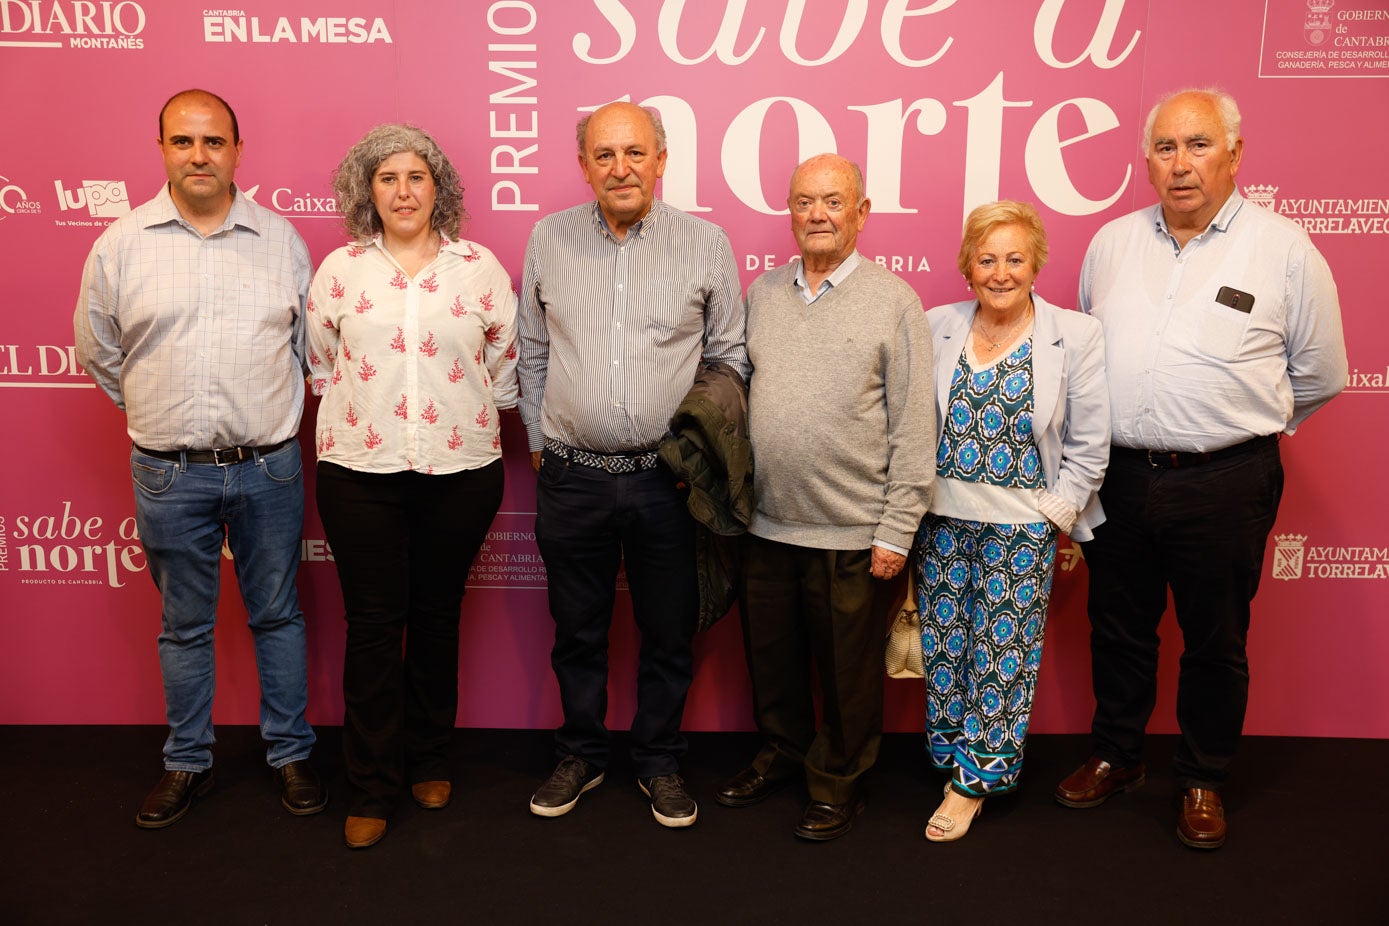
x,y
841,411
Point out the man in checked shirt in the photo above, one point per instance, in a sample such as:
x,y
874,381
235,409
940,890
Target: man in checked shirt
x,y
191,318
622,298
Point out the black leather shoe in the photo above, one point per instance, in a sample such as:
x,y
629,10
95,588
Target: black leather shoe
x,y
822,822
747,788
301,792
172,797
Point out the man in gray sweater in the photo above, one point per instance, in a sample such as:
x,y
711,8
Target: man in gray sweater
x,y
843,427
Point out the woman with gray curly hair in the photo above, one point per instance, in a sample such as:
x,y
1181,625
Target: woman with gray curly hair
x,y
411,335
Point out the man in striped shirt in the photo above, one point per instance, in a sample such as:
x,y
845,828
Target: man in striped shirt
x,y
622,299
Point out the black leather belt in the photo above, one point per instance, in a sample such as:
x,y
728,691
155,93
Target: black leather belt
x,y
1181,459
222,456
637,462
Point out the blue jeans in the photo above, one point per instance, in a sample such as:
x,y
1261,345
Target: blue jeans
x,y
183,511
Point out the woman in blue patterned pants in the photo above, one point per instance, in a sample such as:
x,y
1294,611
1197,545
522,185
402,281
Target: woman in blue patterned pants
x,y
1024,439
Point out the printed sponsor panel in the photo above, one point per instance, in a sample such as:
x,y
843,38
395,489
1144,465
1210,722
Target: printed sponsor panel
x,y
941,107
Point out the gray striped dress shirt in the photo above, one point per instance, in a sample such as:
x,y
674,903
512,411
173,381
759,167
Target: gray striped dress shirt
x,y
612,332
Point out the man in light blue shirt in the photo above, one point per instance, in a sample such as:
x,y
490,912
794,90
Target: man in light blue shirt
x,y
1222,333
191,318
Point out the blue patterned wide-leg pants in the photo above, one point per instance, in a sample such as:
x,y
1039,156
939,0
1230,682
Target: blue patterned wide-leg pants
x,y
983,591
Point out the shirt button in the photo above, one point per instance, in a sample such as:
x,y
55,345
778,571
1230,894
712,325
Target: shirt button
x,y
619,286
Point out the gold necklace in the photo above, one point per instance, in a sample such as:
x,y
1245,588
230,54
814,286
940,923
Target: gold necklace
x,y
1006,336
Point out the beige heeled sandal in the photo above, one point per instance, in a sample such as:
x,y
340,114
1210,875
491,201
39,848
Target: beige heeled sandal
x,y
950,828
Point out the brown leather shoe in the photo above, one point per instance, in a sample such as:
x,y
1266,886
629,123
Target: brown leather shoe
x,y
432,795
361,832
1201,824
747,788
822,822
1096,782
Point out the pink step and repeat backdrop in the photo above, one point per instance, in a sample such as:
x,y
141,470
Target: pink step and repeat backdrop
x,y
946,104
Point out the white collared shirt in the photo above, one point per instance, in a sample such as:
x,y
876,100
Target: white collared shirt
x,y
414,370
1188,372
840,274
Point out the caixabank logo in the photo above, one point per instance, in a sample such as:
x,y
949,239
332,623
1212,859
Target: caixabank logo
x,y
1294,558
237,26
86,24
293,204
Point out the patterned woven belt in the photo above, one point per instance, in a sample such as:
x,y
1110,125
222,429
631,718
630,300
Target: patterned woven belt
x,y
607,462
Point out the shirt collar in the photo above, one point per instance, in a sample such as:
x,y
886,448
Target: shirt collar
x,y
1220,223
841,273
638,228
464,249
164,210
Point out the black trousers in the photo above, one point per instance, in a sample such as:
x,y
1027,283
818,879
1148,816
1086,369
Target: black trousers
x,y
588,522
403,543
801,607
1201,532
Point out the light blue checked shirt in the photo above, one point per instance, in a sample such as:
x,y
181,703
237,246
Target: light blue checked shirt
x,y
200,340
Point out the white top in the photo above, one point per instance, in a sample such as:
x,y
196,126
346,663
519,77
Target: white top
x,y
1187,371
412,371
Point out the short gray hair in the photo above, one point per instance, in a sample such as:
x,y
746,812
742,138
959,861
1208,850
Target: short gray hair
x,y
1225,105
352,180
581,130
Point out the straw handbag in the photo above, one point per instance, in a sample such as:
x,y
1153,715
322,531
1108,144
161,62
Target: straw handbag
x,y
903,653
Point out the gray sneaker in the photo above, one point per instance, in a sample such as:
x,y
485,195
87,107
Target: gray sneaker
x,y
560,792
671,804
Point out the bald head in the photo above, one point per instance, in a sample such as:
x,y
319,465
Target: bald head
x,y
629,110
200,96
832,162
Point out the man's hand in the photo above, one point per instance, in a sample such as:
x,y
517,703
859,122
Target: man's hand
x,y
535,460
886,563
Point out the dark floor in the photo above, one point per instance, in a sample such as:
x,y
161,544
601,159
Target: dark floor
x,y
1297,850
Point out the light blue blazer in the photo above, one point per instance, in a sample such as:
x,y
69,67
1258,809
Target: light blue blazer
x,y
1070,398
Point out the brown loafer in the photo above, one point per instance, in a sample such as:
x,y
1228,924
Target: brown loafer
x,y
1201,824
432,795
361,832
747,788
822,822
1096,782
